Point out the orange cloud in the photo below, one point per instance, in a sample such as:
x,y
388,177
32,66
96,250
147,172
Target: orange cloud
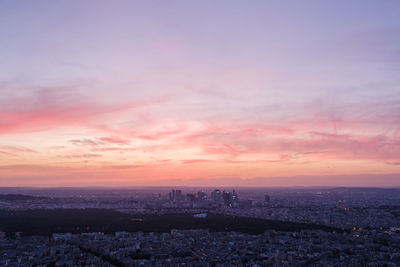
x,y
18,149
115,140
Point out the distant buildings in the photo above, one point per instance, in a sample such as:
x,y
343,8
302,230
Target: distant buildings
x,y
175,195
201,195
266,199
218,198
231,199
368,216
191,198
216,195
200,247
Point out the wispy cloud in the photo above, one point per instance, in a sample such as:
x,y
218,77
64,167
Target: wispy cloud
x,y
84,142
115,140
18,149
8,154
45,108
81,156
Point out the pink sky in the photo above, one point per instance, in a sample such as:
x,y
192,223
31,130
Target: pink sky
x,y
171,93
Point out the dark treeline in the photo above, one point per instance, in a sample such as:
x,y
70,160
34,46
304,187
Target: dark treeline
x,y
45,222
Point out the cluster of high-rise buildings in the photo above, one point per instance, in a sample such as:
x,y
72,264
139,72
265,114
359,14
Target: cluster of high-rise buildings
x,y
229,199
217,197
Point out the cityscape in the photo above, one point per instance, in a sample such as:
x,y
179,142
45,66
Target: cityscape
x,y
185,133
200,227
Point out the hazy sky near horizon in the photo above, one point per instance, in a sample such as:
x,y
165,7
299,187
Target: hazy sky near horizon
x,y
152,92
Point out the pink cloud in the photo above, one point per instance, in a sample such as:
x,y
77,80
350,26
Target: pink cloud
x,y
313,144
221,149
88,155
143,131
229,161
18,149
393,163
57,147
191,161
115,140
84,142
8,154
41,109
159,134
105,149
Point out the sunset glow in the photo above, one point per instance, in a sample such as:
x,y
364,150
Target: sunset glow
x,y
132,93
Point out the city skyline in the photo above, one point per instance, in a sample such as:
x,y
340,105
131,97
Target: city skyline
x,y
266,93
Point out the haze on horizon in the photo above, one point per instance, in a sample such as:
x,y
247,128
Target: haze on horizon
x,y
114,93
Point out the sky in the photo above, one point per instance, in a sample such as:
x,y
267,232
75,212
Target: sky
x,y
244,93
